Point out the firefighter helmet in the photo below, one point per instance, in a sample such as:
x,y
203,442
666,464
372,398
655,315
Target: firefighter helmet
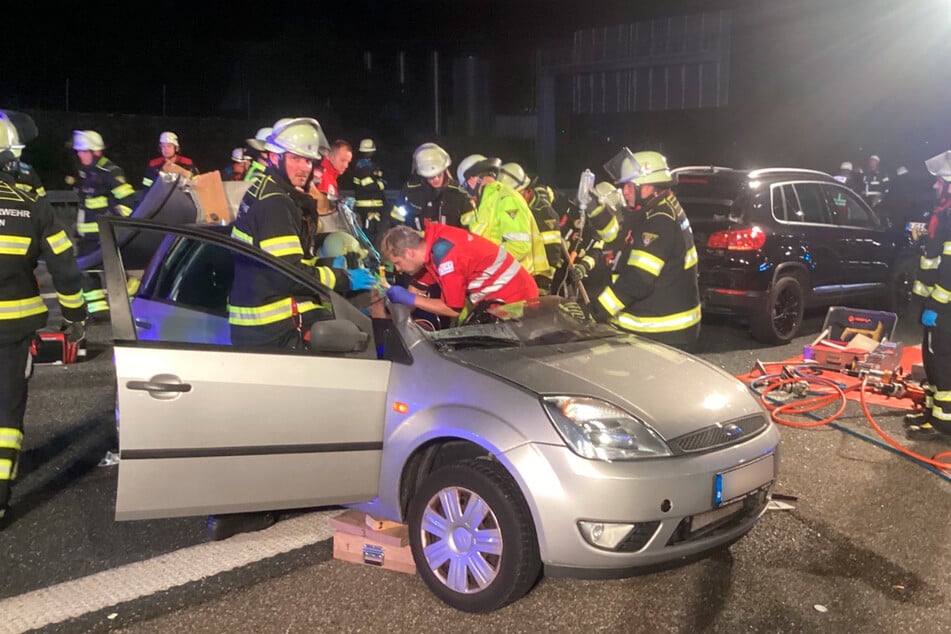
x,y
9,137
340,243
87,140
478,165
301,136
608,195
238,155
257,143
514,176
846,165
430,160
367,146
169,137
642,168
270,147
940,165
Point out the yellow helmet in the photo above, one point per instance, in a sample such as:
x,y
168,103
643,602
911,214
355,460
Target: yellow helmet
x,y
9,137
301,136
340,243
641,168
87,140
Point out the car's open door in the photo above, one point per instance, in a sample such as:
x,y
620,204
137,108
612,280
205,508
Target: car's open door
x,y
213,429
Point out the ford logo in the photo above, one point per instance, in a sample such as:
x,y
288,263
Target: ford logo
x,y
733,431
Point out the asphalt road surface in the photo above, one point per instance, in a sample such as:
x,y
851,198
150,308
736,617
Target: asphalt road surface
x,y
866,548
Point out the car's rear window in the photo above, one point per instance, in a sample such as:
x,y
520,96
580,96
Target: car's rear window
x,y
709,196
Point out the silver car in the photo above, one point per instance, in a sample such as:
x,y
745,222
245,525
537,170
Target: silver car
x,y
540,443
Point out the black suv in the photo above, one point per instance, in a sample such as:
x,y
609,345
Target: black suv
x,y
774,242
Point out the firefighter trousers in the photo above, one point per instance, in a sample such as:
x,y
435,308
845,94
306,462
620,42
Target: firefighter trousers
x,y
936,358
16,365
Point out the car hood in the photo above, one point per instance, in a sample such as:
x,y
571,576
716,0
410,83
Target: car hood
x,y
672,391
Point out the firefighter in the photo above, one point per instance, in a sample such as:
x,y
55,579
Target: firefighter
x,y
368,185
170,161
653,287
102,189
260,159
431,194
240,162
502,215
539,199
29,230
263,309
934,287
470,270
585,247
23,174
875,182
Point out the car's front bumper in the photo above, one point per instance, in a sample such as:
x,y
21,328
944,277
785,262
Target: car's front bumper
x,y
564,489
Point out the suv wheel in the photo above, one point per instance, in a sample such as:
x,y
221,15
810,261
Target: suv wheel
x,y
472,536
780,320
901,284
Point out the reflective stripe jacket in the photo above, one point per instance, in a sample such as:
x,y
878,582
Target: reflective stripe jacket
x,y
102,189
503,217
653,286
933,283
29,230
262,300
425,203
540,202
155,167
473,269
368,186
26,177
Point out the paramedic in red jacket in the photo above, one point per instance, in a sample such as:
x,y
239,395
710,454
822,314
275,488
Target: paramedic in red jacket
x,y
469,269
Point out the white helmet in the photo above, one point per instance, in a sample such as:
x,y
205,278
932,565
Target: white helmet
x,y
9,137
169,137
514,176
901,171
367,146
87,140
257,143
846,165
270,147
940,165
238,155
302,136
478,165
430,160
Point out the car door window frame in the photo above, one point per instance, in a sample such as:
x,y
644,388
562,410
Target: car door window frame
x,y
121,309
873,222
828,221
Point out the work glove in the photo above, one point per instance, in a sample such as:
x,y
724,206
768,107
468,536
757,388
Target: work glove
x,y
929,318
400,295
339,262
361,279
75,330
577,272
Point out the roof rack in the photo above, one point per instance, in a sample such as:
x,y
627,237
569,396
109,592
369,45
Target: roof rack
x,y
697,168
785,170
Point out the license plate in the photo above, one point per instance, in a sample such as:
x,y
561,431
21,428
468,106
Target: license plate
x,y
738,482
705,519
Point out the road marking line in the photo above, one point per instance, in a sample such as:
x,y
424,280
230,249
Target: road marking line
x,y
75,598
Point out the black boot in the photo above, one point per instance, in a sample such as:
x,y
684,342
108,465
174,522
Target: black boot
x,y
224,526
916,417
925,431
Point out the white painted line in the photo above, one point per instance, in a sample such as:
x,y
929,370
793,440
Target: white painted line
x,y
75,598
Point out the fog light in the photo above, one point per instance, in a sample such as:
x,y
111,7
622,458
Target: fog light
x,y
605,535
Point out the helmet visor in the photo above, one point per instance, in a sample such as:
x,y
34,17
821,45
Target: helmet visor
x,y
623,167
940,165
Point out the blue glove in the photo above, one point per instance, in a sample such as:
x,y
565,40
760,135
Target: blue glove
x,y
339,262
400,295
361,279
929,318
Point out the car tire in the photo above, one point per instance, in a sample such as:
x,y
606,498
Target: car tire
x,y
780,319
901,282
470,574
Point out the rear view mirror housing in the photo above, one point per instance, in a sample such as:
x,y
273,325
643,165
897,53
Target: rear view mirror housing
x,y
337,336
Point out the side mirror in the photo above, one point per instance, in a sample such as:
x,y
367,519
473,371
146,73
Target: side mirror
x,y
337,336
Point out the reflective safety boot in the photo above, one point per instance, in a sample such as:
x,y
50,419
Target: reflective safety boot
x,y
916,417
926,431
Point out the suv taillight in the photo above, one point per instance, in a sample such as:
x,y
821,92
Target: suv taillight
x,y
738,239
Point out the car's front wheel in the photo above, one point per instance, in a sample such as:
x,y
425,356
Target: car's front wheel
x,y
780,320
472,536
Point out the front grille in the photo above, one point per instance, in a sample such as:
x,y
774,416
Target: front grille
x,y
720,434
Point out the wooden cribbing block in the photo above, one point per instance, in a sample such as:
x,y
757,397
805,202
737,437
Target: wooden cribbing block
x,y
356,542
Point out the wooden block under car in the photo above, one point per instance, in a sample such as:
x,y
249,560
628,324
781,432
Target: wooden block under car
x,y
356,542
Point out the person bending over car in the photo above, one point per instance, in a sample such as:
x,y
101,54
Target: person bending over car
x,y
469,269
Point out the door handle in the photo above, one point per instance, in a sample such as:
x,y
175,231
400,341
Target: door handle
x,y
144,325
155,386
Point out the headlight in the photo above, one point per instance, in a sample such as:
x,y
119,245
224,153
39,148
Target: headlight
x,y
598,430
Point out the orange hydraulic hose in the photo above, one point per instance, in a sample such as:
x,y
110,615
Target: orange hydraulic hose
x,y
820,401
